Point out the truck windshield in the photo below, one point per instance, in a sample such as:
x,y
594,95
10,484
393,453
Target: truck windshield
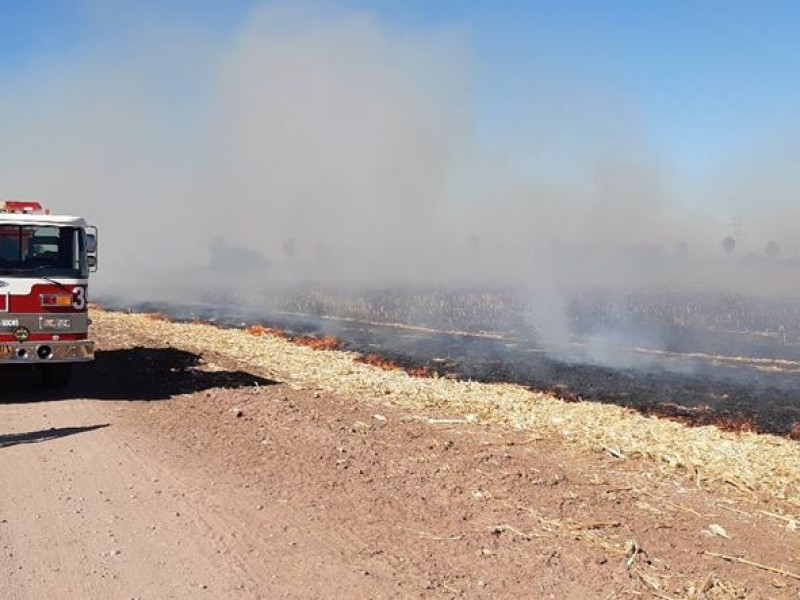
x,y
42,251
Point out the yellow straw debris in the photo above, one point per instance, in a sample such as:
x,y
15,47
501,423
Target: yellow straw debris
x,y
748,461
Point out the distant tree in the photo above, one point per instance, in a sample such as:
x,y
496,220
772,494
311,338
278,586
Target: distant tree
x,y
772,249
290,247
227,257
728,244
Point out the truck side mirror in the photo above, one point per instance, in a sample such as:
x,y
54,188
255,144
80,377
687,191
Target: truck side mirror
x,y
91,248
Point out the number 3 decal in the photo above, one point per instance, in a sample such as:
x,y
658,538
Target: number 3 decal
x,y
79,298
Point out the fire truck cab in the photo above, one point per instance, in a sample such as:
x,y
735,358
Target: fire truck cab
x,y
45,261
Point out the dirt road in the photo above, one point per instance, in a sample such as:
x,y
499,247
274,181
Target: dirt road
x,y
174,473
90,509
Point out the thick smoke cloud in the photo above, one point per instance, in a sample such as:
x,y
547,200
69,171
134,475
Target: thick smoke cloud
x,y
326,145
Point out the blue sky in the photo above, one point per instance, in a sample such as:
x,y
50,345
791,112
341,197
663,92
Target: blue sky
x,y
706,81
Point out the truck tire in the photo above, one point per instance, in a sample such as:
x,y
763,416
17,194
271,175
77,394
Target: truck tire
x,y
56,375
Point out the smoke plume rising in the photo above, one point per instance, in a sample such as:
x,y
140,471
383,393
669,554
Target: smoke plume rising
x,y
306,144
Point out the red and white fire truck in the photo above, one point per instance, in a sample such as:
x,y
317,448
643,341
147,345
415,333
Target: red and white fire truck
x,y
45,261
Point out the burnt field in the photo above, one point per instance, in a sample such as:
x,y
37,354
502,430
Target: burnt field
x,y
728,360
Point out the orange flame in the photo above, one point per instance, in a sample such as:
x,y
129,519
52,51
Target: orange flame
x,y
376,361
261,330
323,343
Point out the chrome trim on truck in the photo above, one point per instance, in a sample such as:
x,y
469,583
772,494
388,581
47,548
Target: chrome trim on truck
x,y
46,352
50,322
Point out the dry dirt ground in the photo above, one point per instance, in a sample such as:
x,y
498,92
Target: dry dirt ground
x,y
180,472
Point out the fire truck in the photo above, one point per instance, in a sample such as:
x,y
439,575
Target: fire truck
x,y
45,261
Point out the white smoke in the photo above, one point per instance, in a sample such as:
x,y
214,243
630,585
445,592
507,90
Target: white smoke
x,y
333,146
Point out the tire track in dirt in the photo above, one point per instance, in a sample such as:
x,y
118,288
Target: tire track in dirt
x,y
90,511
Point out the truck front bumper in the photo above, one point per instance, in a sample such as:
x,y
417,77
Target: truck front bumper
x,y
46,352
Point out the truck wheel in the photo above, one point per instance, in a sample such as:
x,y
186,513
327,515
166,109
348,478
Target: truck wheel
x,y
56,375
